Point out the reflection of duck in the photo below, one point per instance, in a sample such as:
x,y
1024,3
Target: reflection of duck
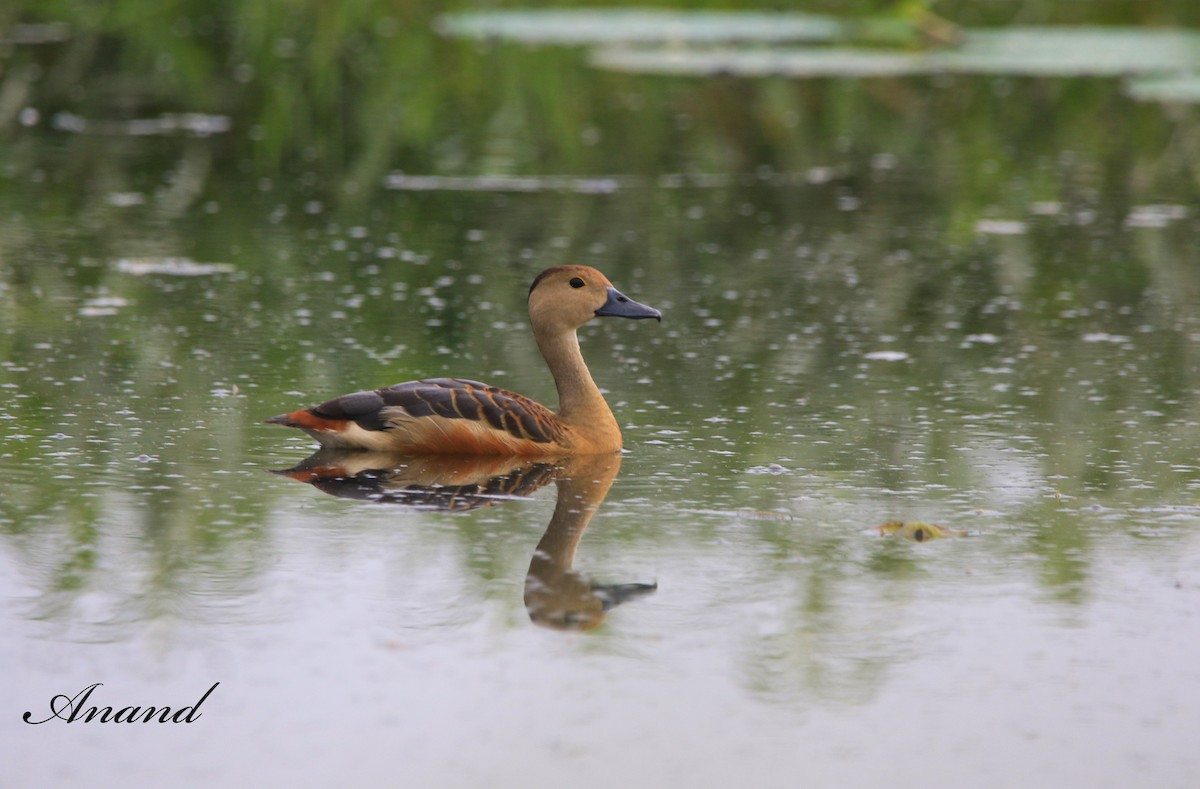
x,y
427,481
452,416
556,595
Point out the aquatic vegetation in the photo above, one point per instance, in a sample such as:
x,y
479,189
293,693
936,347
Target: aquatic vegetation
x,y
1014,51
918,531
1168,89
322,89
607,25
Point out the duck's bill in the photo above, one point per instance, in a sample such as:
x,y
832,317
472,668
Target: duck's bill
x,y
621,306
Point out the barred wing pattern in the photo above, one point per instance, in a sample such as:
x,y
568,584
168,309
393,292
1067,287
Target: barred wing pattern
x,y
450,413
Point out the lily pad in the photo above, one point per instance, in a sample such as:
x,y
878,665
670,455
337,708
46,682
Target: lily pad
x,y
195,124
31,34
503,183
178,267
1074,51
1177,88
1035,52
813,62
609,26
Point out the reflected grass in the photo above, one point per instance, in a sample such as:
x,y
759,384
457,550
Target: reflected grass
x,y
326,93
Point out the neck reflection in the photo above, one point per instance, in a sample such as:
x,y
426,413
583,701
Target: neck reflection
x,y
556,595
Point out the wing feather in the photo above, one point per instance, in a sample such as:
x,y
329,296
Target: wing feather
x,y
449,398
451,415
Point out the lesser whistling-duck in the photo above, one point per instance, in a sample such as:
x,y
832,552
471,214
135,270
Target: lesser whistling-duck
x,y
453,416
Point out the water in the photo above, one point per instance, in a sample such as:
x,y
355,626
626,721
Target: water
x,y
876,328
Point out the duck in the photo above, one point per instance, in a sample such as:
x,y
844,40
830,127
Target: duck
x,y
457,416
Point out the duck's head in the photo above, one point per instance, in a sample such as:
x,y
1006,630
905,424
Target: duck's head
x,y
564,298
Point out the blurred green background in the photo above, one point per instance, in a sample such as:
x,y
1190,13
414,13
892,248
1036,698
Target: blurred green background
x,y
340,93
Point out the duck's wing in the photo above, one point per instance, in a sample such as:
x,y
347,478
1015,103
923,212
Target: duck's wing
x,y
447,415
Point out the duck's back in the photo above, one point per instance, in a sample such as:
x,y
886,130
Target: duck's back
x,y
449,416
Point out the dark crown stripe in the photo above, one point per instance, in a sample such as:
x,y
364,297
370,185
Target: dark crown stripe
x,y
538,279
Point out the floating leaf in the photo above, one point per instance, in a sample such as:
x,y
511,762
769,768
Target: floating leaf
x,y
177,267
1179,88
918,531
607,26
813,62
1074,51
886,356
1001,227
503,183
1037,52
190,123
102,306
30,34
1154,215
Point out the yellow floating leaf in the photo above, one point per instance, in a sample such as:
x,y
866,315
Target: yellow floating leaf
x,y
918,531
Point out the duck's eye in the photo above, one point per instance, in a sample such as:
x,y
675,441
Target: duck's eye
x,y
576,282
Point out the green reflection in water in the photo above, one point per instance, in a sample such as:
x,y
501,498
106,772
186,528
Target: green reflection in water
x,y
961,300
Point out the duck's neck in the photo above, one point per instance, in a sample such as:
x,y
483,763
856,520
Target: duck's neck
x,y
580,403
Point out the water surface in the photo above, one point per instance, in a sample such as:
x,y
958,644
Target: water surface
x,y
870,315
